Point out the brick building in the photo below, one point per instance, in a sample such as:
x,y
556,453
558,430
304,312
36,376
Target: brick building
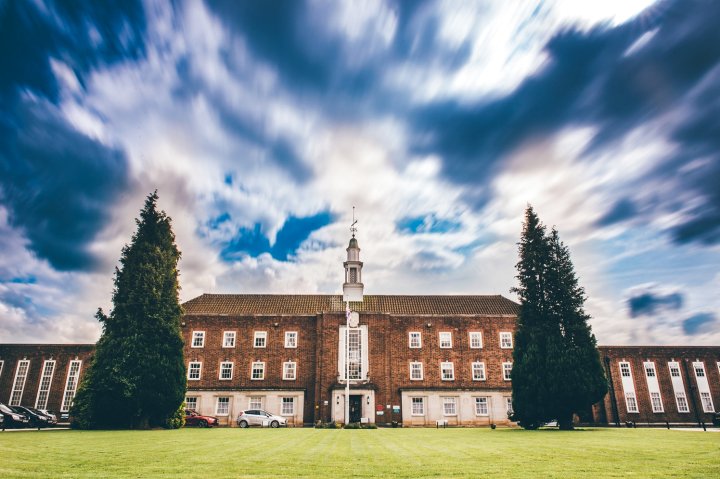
x,y
411,359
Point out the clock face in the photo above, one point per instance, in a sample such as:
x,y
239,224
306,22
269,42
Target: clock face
x,y
354,319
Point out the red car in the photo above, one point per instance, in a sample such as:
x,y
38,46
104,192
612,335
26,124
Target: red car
x,y
194,419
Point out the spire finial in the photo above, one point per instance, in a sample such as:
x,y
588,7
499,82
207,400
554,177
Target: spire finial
x,y
353,229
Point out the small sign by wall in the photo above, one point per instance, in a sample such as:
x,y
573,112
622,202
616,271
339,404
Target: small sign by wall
x,y
396,408
380,413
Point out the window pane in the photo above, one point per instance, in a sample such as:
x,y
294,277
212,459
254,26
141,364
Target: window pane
x,y
223,406
481,406
418,406
355,354
449,406
288,406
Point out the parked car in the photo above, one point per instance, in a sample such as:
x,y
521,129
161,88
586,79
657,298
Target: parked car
x,y
52,418
35,417
12,419
258,417
192,418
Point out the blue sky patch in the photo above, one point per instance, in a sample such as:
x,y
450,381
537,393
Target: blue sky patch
x,y
254,242
427,224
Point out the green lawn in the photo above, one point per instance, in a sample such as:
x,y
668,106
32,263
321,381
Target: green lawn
x,y
502,453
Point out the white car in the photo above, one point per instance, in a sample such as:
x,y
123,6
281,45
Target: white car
x,y
258,417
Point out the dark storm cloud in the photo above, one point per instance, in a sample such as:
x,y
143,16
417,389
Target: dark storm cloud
x,y
650,303
699,323
595,79
312,61
622,210
275,33
57,183
82,34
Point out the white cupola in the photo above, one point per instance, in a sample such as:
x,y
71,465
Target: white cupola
x,y
353,286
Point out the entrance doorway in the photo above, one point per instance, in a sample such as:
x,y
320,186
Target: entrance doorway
x,y
355,408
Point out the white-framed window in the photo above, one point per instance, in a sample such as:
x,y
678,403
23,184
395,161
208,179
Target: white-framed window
x,y
355,353
707,402
222,408
287,407
289,371
447,371
21,373
506,340
445,339
415,339
2,363
418,406
194,369
255,402
71,385
481,406
478,371
650,370
681,401
191,403
476,340
674,369
449,406
355,364
507,371
625,370
631,402
260,339
198,339
291,338
656,402
45,380
258,371
226,370
699,370
508,405
229,339
416,371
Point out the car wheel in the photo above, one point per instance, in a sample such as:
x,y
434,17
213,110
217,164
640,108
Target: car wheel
x,y
243,424
203,423
274,424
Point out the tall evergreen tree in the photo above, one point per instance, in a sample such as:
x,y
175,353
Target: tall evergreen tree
x,y
556,366
137,376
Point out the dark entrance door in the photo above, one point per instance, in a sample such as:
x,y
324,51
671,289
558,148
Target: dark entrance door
x,y
355,408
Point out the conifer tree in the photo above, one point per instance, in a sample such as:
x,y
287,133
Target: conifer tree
x,y
137,376
556,366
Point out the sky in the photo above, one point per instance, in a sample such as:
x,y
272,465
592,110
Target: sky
x,y
261,125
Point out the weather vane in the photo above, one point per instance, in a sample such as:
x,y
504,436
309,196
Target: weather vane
x,y
353,229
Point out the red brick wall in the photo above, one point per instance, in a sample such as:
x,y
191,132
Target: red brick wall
x,y
461,355
10,354
389,357
660,355
244,353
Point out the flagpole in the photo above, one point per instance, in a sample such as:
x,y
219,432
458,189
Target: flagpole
x,y
347,363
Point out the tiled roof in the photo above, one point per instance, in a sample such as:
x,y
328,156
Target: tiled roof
x,y
311,304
